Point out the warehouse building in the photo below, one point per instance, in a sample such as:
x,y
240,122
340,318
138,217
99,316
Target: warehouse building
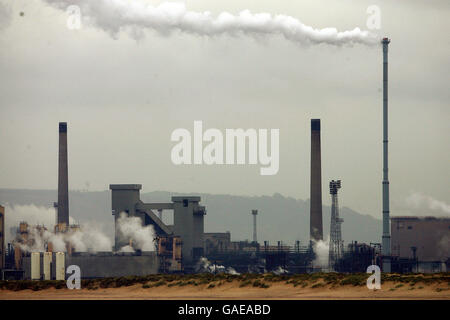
x,y
425,240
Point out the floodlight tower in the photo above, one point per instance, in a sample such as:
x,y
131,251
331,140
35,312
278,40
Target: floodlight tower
x,y
336,242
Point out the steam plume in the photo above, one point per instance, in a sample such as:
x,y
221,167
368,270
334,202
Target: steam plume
x,y
142,237
135,16
89,238
85,240
280,270
204,265
32,214
426,204
321,249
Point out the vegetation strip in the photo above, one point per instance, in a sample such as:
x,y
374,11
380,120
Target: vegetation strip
x,y
312,280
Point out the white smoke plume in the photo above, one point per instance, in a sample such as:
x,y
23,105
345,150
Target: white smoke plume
x,y
37,242
127,248
204,265
88,238
280,270
426,205
83,240
142,237
321,249
232,271
32,214
58,242
136,16
443,246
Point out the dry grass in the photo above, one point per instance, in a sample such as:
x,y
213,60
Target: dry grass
x,y
263,281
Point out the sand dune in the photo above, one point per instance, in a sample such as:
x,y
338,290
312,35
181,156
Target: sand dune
x,y
232,290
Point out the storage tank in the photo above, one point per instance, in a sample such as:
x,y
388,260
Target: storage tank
x,y
46,265
35,266
60,266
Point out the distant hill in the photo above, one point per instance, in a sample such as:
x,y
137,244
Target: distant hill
x,y
279,218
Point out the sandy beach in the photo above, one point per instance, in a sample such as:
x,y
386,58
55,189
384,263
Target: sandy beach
x,y
232,290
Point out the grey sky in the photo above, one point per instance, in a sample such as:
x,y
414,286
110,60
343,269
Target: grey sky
x,y
122,98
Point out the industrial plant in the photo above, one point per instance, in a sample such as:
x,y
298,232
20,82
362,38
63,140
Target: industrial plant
x,y
408,244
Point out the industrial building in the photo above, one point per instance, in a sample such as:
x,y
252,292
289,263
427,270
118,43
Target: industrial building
x,y
188,217
216,241
420,244
99,265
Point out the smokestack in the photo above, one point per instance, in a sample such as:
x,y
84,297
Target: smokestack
x,y
63,185
386,239
254,213
315,231
2,237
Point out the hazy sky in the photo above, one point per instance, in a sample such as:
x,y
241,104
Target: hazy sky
x,y
122,98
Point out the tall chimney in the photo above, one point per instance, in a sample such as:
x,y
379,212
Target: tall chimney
x,y
2,237
63,187
254,213
315,230
386,239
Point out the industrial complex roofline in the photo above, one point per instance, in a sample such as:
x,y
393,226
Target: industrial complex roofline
x,y
125,186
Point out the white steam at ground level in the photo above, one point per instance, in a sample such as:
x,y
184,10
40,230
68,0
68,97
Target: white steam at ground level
x,y
136,16
321,249
126,248
280,270
204,265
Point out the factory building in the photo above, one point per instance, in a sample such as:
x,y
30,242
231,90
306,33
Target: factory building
x,y
188,218
425,241
99,265
216,241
